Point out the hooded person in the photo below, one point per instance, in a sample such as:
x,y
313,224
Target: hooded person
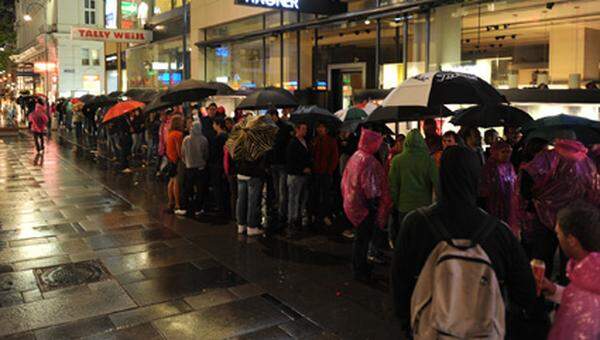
x,y
413,178
366,197
497,186
457,211
194,153
39,124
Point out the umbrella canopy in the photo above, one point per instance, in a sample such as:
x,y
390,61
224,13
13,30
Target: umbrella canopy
x,y
102,100
131,93
406,113
353,125
116,94
189,91
158,104
252,138
313,115
222,88
491,116
147,96
86,98
121,109
425,95
371,94
355,114
268,98
549,128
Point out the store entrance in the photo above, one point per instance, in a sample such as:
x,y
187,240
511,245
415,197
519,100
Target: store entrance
x,y
345,80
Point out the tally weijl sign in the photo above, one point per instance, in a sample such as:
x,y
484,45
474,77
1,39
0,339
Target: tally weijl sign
x,y
114,35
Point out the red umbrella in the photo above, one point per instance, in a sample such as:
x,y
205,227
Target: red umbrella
x,y
121,109
74,100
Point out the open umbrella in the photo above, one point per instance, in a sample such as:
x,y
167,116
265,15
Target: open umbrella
x,y
86,98
133,93
116,94
158,104
425,95
353,125
491,116
147,96
190,90
121,109
549,128
252,138
222,88
371,94
268,98
313,115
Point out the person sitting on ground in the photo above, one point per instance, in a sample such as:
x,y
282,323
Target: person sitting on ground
x,y
173,152
458,213
578,317
413,179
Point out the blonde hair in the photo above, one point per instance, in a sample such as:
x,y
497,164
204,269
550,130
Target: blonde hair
x,y
176,123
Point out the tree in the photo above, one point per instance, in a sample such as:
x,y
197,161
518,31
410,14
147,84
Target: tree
x,y
7,32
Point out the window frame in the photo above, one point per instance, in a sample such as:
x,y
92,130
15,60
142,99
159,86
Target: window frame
x,y
89,12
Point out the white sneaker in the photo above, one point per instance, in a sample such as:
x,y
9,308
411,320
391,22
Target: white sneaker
x,y
241,229
255,232
126,171
180,212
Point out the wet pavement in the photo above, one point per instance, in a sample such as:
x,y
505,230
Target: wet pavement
x,y
86,252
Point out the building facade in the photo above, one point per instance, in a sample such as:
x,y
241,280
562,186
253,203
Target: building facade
x,y
51,62
378,43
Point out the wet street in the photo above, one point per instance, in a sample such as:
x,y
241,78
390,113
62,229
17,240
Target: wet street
x,y
86,252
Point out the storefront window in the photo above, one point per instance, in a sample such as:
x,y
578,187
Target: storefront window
x,y
290,61
162,6
155,66
251,24
240,65
273,61
134,13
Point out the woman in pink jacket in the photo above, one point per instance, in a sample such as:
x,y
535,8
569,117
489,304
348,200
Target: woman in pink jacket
x,y
39,123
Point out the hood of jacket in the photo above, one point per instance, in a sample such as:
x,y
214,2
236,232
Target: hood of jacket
x,y
586,273
415,142
459,175
370,141
571,149
196,130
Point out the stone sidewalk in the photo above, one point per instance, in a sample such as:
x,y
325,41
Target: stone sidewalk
x,y
85,252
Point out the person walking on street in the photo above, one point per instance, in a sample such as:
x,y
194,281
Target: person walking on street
x,y
298,167
38,122
457,212
173,152
578,317
194,153
413,179
367,200
326,160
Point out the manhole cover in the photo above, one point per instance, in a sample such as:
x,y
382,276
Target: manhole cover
x,y
70,274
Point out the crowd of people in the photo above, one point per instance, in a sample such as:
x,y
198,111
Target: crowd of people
x,y
528,197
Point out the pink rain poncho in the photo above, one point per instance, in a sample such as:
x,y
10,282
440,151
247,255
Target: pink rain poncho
x,y
497,186
578,316
38,119
365,179
561,176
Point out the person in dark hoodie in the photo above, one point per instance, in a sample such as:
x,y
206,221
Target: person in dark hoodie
x,y
277,162
457,210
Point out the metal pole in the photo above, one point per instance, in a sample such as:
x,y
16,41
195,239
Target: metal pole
x,y
119,61
264,50
315,55
298,70
378,54
281,47
427,39
405,47
47,62
186,64
205,58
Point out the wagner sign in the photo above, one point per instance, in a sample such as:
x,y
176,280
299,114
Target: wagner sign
x,y
115,35
308,6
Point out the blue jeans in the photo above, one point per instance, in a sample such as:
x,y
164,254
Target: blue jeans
x,y
248,202
136,142
280,186
297,197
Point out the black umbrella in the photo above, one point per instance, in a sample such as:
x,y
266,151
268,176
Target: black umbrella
x,y
313,115
549,128
158,104
407,113
491,116
116,94
99,101
189,91
86,98
134,93
222,88
147,96
424,95
353,125
268,98
371,94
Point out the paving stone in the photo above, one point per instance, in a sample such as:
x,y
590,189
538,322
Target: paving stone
x,y
30,252
173,270
32,295
223,321
39,263
189,283
28,242
300,328
153,258
17,281
130,277
22,336
76,329
10,299
149,313
74,246
246,290
271,333
140,332
210,298
56,311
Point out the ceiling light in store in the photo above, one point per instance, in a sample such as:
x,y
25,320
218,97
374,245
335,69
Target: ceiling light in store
x,y
398,19
367,22
159,28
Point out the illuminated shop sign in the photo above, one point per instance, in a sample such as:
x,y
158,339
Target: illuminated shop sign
x,y
102,34
308,6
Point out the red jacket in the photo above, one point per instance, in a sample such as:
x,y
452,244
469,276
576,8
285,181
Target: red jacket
x,y
325,155
38,119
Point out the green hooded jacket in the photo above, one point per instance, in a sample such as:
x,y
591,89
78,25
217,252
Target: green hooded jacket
x,y
413,175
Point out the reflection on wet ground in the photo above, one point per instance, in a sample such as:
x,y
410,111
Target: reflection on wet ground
x,y
66,216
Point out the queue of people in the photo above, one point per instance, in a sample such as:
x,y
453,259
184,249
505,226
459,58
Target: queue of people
x,y
517,201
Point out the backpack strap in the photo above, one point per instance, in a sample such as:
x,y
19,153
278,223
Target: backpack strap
x,y
482,233
435,226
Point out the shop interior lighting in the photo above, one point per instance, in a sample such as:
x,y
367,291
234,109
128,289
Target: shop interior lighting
x,y
367,22
27,17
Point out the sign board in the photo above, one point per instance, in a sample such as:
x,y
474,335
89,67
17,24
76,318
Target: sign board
x,y
327,7
116,35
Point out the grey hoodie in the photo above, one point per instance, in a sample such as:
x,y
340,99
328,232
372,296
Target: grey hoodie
x,y
195,148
